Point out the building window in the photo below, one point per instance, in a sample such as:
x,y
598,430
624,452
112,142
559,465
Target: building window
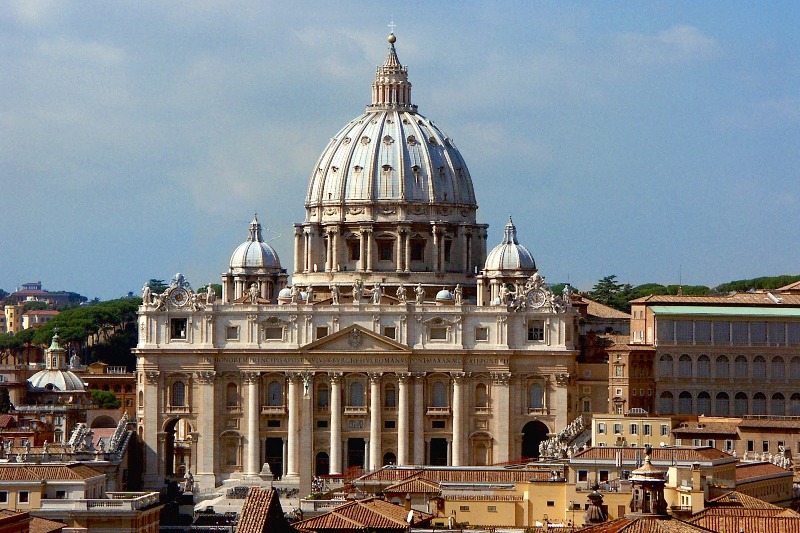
x,y
357,394
389,424
439,395
418,249
354,249
61,495
491,508
634,429
275,394
3,496
481,398
273,333
437,424
177,328
390,396
665,365
583,475
464,508
751,446
390,331
535,396
536,330
604,476
601,428
322,331
481,334
587,405
322,397
438,334
231,395
551,503
664,430
273,423
322,424
385,250
764,445
23,496
179,394
232,333
647,429
728,445
617,429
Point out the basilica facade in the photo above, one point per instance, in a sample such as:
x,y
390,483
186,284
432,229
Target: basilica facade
x,y
398,339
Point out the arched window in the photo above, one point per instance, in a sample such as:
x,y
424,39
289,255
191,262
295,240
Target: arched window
x,y
777,406
118,388
141,399
740,366
439,395
535,393
703,366
481,399
794,404
666,403
357,394
389,458
665,365
759,403
759,367
685,403
794,368
740,404
685,366
322,396
723,366
704,403
275,393
322,466
390,396
231,395
179,394
777,368
723,404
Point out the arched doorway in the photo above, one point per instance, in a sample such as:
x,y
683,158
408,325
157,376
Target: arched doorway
x,y
389,458
356,449
103,421
177,447
533,433
322,467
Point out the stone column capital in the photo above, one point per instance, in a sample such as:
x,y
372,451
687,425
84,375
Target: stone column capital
x,y
335,377
206,377
458,377
404,377
152,377
419,376
251,377
501,378
375,377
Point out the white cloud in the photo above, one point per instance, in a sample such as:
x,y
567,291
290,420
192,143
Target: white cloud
x,y
31,12
674,45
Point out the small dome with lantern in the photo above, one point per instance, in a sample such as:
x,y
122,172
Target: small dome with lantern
x,y
510,255
55,377
254,255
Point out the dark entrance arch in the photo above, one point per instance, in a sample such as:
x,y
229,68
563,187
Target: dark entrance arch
x,y
438,452
356,449
322,467
533,433
177,447
275,456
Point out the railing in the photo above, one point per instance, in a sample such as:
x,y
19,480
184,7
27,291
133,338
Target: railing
x,y
483,410
355,410
538,411
273,409
117,370
438,411
178,409
317,506
120,501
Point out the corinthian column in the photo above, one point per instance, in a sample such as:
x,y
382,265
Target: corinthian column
x,y
501,415
293,454
375,421
402,419
336,423
253,411
419,419
458,418
204,474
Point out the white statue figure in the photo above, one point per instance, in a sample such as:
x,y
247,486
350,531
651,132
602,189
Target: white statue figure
x,y
358,288
335,294
504,294
309,295
147,297
188,482
46,446
401,293
566,295
295,292
253,292
420,292
7,448
75,361
377,292
211,294
458,293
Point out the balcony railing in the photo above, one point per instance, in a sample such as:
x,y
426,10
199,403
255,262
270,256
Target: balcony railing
x,y
355,410
178,410
116,501
273,409
483,410
438,411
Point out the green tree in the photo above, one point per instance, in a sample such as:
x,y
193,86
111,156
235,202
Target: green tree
x,y
105,399
5,401
157,286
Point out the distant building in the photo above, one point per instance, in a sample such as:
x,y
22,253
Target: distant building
x,y
34,318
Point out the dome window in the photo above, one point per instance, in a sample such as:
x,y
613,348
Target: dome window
x,y
432,140
334,169
364,140
412,141
386,168
347,140
358,168
388,140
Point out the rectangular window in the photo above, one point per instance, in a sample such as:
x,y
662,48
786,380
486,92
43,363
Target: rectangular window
x,y
634,429
603,476
322,424
617,429
418,249
389,424
491,508
3,496
583,475
728,445
390,331
722,332
481,334
587,405
601,428
678,442
666,330
385,250
536,330
322,331
751,446
664,430
23,496
633,392
683,330
696,442
273,333
177,328
777,332
273,423
61,495
232,333
618,392
551,503
702,331
647,429
464,508
758,332
437,424
712,443
438,334
740,332
764,445
354,250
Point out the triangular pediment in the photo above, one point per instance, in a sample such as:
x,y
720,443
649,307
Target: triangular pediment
x,y
355,339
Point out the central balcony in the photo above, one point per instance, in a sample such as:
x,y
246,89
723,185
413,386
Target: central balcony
x,y
273,409
355,410
438,411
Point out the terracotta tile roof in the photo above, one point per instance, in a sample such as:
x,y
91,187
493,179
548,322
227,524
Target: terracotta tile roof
x,y
747,471
25,472
456,475
707,428
262,512
657,455
417,485
371,513
761,524
790,287
645,525
42,525
790,423
739,499
603,311
739,298
8,421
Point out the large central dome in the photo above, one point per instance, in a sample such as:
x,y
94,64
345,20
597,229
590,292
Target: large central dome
x,y
391,155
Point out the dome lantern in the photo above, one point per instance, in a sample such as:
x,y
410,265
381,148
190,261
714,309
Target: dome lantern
x,y
391,89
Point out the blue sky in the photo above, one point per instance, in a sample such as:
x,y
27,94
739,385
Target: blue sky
x,y
656,141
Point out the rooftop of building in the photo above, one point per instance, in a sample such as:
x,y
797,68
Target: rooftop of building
x,y
757,298
599,310
372,513
748,472
43,473
666,454
478,474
